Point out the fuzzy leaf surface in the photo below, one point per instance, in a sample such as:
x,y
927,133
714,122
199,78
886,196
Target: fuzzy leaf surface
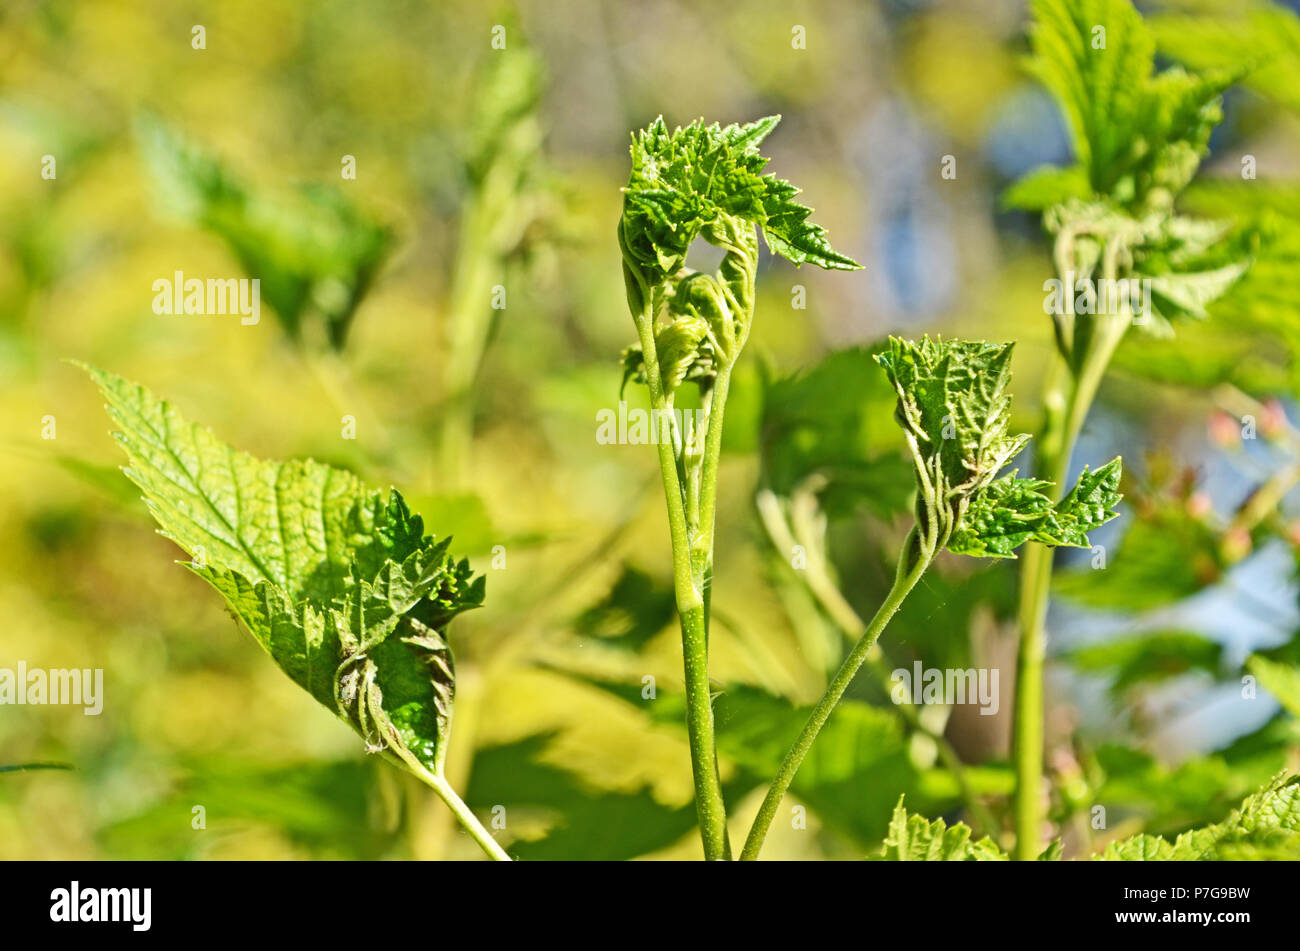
x,y
686,182
1267,825
338,584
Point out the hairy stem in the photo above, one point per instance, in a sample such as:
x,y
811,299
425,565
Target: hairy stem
x,y
464,815
1068,399
709,484
1035,581
709,805
904,581
816,578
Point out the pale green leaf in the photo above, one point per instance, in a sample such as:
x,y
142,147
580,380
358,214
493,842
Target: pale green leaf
x,y
340,587
914,838
1138,135
1266,35
1267,824
1281,680
1052,853
1046,186
313,251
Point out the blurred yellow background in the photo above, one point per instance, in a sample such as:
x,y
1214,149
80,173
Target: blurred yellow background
x,y
279,94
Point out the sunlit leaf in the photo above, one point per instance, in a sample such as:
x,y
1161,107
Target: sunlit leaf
x,y
1267,825
914,838
339,585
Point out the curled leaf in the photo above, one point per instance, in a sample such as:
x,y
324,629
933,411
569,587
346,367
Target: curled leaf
x,y
337,582
685,181
1013,511
954,408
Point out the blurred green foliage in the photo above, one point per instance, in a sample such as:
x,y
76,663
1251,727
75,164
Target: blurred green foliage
x,y
479,167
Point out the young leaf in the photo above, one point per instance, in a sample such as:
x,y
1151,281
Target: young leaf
x,y
1046,186
1138,137
313,251
1267,825
1088,504
338,584
914,838
1281,680
830,423
684,183
1013,511
953,404
1267,35
1138,848
1052,853
955,410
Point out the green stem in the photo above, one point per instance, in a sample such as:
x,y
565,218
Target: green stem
x,y
1035,580
816,578
704,546
1067,402
469,321
464,815
904,581
712,457
709,805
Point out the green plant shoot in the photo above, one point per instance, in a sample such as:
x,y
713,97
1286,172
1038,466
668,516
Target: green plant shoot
x,y
337,582
705,183
954,409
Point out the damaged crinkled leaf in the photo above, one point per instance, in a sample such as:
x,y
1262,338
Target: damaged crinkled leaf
x,y
686,180
954,408
339,584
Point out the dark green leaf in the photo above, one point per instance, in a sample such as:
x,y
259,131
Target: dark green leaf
x,y
637,608
581,820
832,422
